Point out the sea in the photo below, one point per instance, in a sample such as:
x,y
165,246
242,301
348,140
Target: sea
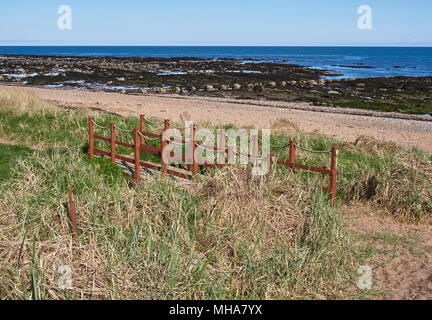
x,y
341,62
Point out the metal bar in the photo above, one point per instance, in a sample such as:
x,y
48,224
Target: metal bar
x,y
191,154
137,156
127,145
95,136
163,156
101,152
125,159
292,154
151,149
311,168
333,176
221,156
255,148
178,174
150,166
144,164
169,172
195,162
119,157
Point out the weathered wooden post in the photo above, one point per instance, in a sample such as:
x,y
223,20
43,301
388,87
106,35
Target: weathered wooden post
x,y
91,138
113,142
137,147
333,175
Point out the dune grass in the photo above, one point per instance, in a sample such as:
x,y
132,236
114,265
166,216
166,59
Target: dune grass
x,y
397,178
228,236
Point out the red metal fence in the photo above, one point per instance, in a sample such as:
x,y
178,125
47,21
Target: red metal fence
x,y
139,145
332,172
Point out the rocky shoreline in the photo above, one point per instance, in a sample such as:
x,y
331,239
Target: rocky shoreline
x,y
240,79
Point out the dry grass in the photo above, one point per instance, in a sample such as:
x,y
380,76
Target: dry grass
x,y
283,126
373,146
401,183
226,237
24,101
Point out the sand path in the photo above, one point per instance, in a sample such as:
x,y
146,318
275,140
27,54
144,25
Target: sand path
x,y
400,255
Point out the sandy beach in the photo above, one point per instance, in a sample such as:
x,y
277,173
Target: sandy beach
x,y
223,111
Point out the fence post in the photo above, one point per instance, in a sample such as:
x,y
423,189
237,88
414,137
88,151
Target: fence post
x,y
163,144
255,150
333,175
292,154
194,148
142,128
113,143
191,150
91,138
72,213
221,155
167,124
137,156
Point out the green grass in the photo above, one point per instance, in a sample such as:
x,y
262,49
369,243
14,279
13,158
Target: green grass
x,y
9,155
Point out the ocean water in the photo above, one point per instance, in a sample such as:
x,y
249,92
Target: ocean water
x,y
347,62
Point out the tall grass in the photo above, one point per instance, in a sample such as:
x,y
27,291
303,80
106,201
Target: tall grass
x,y
228,236
161,240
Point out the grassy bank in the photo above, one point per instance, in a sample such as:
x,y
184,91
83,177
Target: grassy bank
x,y
229,236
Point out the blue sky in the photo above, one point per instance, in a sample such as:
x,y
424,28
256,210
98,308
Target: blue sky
x,y
221,22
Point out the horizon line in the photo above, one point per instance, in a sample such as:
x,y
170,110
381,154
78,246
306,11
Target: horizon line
x,y
217,45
